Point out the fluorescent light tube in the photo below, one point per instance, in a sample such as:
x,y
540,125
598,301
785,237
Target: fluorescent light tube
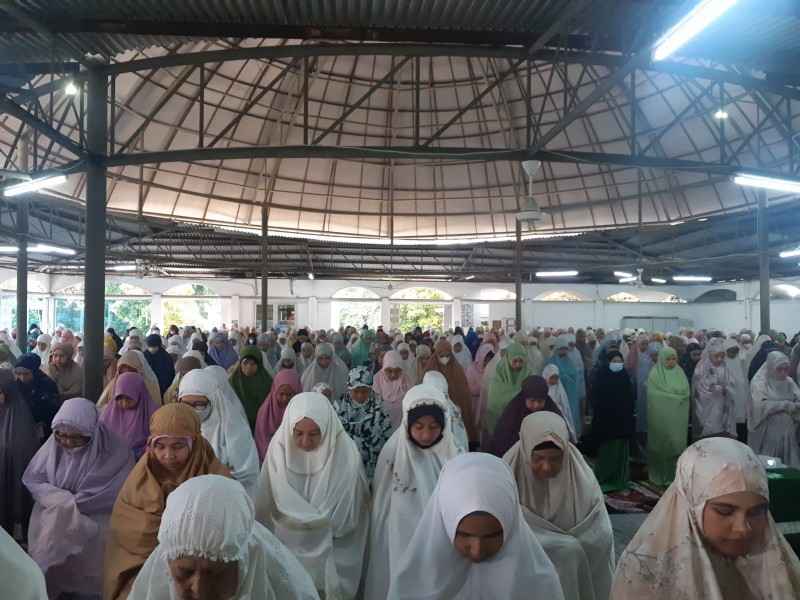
x,y
468,277
658,280
8,248
721,114
33,185
311,276
123,268
627,279
700,17
691,278
790,253
622,274
40,249
770,183
556,273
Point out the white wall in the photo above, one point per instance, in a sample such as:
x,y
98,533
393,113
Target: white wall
x,y
595,311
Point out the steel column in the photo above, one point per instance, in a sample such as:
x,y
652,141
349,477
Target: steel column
x,y
94,282
264,264
22,256
518,277
763,259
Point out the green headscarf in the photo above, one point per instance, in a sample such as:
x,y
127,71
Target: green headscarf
x,y
252,391
506,383
360,353
667,381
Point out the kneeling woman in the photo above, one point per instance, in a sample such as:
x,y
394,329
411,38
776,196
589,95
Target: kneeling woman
x,y
211,547
74,479
711,534
472,542
563,505
313,495
405,477
176,452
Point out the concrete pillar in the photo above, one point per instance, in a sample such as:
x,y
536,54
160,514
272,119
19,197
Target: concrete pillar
x,y
457,317
386,313
236,310
157,313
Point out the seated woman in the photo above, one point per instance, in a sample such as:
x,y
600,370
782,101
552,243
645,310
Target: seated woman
x,y
251,382
176,452
711,535
75,479
19,443
132,361
533,397
313,495
237,558
130,413
285,387
224,426
773,412
406,474
472,542
364,418
62,369
563,505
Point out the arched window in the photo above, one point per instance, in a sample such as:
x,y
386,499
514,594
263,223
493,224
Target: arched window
x,y
622,297
356,293
559,296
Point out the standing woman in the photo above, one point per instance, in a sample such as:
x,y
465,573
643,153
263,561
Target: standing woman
x,y
613,424
18,444
360,352
711,535
132,361
713,394
67,374
667,417
422,358
562,503
472,542
313,495
285,387
556,391
507,382
646,363
326,368
221,351
74,479
457,387
475,375
251,382
223,425
568,377
38,391
160,362
406,475
690,360
774,411
391,383
130,413
176,452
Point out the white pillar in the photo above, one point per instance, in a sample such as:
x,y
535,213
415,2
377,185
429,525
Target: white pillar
x,y
386,313
312,320
457,317
157,312
235,316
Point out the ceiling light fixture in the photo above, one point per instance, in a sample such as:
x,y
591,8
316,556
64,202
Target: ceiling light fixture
x,y
658,280
71,89
311,276
700,17
691,278
622,274
33,185
123,268
556,273
468,277
721,114
703,220
627,279
40,249
770,183
790,253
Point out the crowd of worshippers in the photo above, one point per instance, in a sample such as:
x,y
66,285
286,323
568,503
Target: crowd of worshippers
x,y
374,464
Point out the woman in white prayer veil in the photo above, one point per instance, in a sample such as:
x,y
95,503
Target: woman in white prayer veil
x,y
751,354
327,368
457,421
535,357
313,495
404,480
222,381
210,546
558,394
223,425
734,364
773,412
713,394
472,542
462,355
563,504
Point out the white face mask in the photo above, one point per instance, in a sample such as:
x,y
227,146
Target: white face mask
x,y
152,349
204,412
443,360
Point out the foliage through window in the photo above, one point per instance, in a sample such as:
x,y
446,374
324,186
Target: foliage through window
x,y
560,296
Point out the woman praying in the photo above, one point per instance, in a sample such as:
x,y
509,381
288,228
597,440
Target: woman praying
x,y
285,387
391,383
130,413
251,382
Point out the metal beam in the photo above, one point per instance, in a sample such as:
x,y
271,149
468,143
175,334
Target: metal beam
x,y
15,110
763,260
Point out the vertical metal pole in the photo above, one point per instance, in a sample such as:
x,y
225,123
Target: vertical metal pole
x,y
264,264
518,277
95,250
763,259
22,255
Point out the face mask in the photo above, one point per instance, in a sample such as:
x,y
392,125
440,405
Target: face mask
x,y
443,360
152,349
204,412
616,367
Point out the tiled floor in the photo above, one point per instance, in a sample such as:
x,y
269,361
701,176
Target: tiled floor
x,y
625,526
